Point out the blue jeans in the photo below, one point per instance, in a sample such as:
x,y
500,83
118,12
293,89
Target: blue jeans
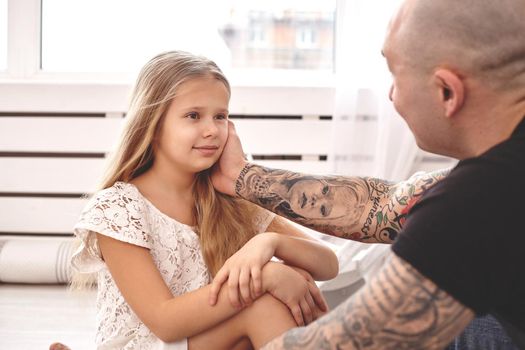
x,y
483,333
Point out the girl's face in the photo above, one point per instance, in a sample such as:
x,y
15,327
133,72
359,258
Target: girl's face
x,y
195,128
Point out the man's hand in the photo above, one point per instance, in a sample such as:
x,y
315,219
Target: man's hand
x,y
226,171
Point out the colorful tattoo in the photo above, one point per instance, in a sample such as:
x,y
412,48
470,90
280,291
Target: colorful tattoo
x,y
359,208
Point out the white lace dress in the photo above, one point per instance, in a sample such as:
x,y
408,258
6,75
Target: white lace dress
x,y
121,212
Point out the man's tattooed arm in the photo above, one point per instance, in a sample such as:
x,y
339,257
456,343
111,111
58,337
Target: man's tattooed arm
x,y
359,208
398,309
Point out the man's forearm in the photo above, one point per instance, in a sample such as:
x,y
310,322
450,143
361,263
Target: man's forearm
x,y
359,208
398,309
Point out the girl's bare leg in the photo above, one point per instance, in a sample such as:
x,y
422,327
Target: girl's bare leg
x,y
253,327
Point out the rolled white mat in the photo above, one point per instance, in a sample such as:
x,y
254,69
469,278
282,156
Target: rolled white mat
x,y
39,260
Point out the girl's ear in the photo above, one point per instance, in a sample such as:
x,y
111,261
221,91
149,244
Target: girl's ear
x,y
451,89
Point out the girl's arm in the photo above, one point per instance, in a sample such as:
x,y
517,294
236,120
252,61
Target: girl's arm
x,y
298,249
169,318
243,269
143,288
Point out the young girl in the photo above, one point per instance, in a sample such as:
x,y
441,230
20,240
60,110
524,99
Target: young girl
x,y
157,231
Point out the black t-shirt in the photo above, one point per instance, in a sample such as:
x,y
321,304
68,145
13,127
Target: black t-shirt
x,y
467,234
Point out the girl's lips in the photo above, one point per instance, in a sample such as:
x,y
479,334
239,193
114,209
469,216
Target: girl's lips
x,y
207,150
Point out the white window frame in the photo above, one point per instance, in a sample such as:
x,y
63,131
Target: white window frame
x,y
25,87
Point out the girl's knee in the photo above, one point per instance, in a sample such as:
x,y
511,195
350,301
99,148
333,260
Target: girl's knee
x,y
266,319
268,306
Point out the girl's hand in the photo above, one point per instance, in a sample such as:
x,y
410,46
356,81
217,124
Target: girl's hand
x,y
290,286
243,270
321,306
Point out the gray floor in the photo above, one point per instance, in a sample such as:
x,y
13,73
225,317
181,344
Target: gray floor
x,y
34,316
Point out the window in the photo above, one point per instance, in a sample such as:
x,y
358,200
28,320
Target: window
x,y
3,35
120,35
305,37
281,34
258,37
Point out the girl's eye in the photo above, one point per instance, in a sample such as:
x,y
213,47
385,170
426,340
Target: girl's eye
x,y
325,190
220,117
192,115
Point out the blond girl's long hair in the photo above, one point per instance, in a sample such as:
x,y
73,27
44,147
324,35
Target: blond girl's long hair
x,y
224,224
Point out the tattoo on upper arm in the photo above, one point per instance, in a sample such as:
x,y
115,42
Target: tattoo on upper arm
x,y
391,204
398,309
359,208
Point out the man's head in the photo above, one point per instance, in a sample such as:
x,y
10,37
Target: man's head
x,y
449,60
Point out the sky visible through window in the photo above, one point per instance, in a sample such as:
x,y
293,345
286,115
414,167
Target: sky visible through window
x,y
120,35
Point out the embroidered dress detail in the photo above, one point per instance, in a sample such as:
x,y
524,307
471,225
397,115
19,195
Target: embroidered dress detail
x,y
121,212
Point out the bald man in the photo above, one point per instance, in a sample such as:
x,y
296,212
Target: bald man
x,y
458,248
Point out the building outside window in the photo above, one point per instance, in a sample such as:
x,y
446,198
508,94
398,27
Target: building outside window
x,y
120,35
281,37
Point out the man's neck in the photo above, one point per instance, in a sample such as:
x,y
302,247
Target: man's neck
x,y
490,126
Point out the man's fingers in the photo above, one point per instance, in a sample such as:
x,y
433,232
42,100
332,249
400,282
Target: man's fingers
x,y
231,128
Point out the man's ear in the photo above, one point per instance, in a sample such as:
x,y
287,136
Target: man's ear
x,y
451,89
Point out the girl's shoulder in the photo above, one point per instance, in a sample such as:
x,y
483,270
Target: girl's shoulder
x,y
120,196
120,193
118,211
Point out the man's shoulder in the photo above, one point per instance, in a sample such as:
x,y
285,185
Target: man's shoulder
x,y
502,165
475,190
505,157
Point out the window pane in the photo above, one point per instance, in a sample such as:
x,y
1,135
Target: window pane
x,y
120,35
3,35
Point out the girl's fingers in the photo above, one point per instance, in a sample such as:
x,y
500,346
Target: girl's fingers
x,y
244,286
256,280
216,285
252,290
297,314
318,297
233,288
311,304
306,311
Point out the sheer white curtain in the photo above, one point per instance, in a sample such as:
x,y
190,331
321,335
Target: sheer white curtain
x,y
369,138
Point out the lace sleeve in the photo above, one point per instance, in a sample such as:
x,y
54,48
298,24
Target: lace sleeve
x,y
115,212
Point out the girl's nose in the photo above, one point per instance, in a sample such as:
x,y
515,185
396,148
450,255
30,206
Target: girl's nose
x,y
210,129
